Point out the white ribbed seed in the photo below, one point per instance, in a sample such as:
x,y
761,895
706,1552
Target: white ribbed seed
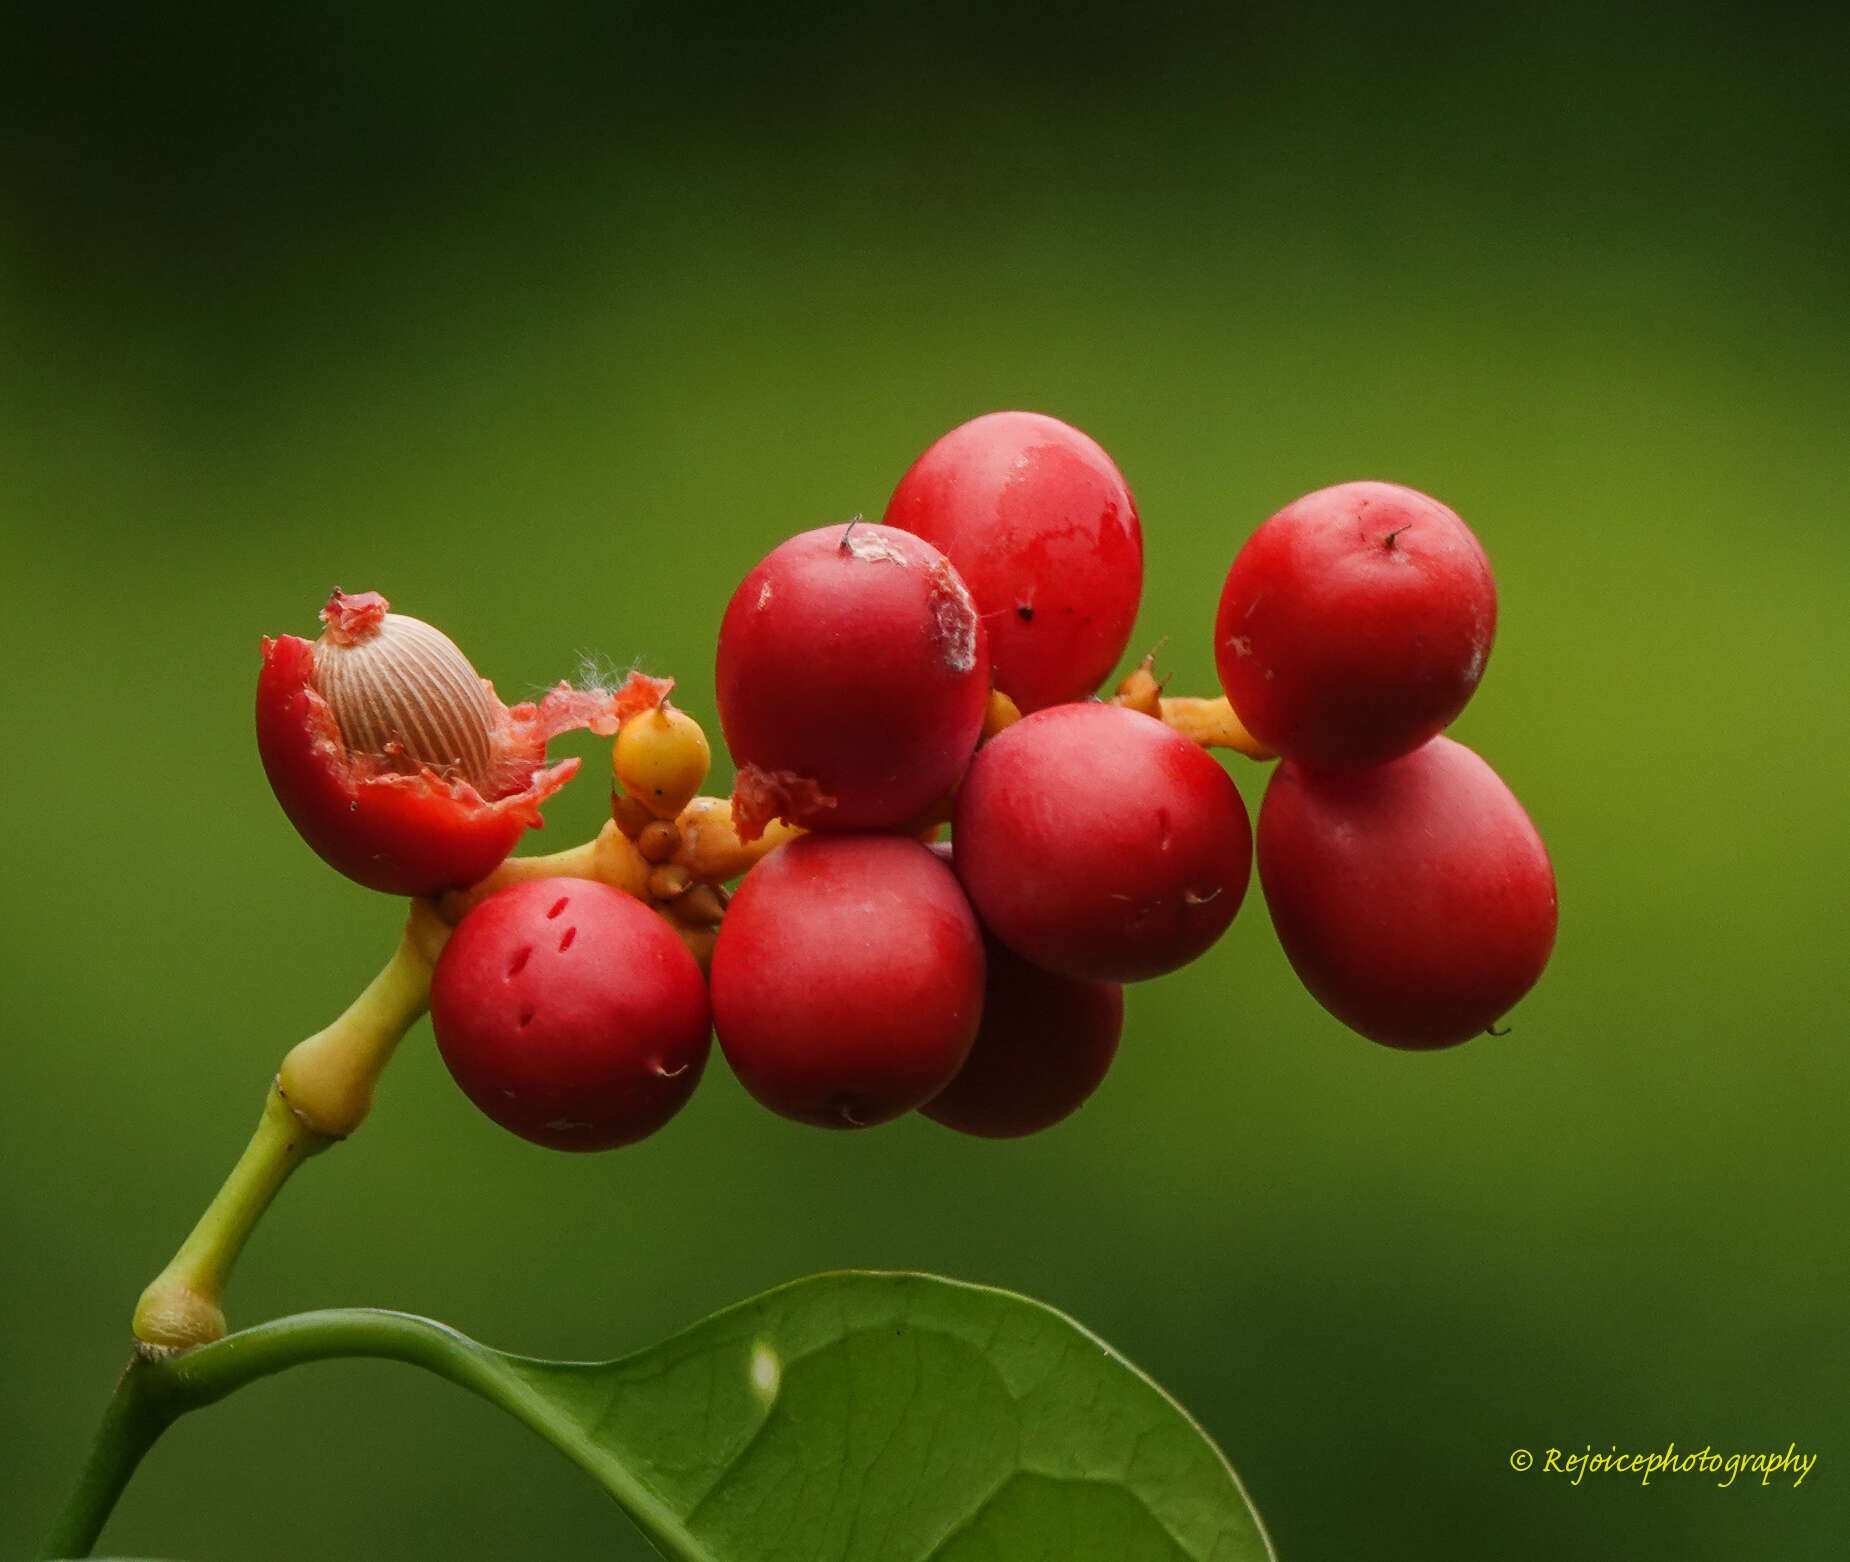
x,y
408,696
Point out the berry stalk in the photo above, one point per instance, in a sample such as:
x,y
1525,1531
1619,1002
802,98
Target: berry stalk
x,y
1211,724
610,857
1207,723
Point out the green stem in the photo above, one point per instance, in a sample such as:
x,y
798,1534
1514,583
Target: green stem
x,y
322,1092
159,1388
184,1304
206,1375
329,1079
137,1415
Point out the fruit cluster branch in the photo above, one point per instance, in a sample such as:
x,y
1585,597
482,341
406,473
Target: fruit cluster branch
x,y
875,682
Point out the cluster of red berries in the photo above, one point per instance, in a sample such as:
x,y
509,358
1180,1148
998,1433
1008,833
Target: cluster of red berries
x,y
876,681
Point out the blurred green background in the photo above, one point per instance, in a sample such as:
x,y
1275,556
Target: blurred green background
x,y
549,321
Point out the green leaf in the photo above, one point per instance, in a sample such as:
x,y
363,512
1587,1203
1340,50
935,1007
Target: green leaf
x,y
851,1417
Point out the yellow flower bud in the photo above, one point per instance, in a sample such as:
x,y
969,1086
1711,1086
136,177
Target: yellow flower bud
x,y
661,758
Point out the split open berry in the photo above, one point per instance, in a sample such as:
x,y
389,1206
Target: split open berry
x,y
852,681
571,1014
1355,624
1045,1044
1043,529
1100,843
396,761
847,979
1415,900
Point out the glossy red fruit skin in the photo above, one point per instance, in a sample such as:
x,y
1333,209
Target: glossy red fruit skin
x,y
852,678
1045,1044
1355,624
1415,900
1099,843
847,979
1043,529
571,1014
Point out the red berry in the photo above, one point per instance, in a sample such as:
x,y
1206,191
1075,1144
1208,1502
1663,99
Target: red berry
x,y
1415,900
396,762
570,1014
1355,624
1044,531
852,680
1098,842
1045,1044
847,979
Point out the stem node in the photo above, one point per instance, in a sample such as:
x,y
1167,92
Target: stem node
x,y
319,1096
